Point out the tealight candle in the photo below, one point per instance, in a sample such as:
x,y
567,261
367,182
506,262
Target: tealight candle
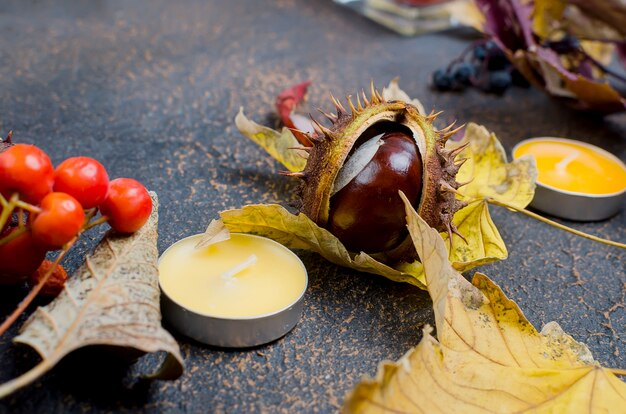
x,y
240,292
575,180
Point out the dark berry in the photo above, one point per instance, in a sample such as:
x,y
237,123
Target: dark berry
x,y
518,79
496,59
499,81
480,52
463,74
567,44
442,80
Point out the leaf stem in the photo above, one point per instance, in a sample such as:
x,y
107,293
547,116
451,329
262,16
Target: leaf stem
x,y
556,224
617,371
26,378
35,290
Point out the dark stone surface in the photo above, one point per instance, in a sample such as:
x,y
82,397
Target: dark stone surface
x,y
151,89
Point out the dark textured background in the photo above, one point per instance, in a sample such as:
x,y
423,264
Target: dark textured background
x,y
151,89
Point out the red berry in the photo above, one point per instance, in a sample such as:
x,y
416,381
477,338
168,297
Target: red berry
x,y
19,258
27,170
127,206
83,178
60,220
54,284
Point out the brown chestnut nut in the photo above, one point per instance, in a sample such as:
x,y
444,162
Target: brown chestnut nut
x,y
367,214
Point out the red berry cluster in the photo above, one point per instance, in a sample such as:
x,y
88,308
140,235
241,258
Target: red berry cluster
x,y
43,208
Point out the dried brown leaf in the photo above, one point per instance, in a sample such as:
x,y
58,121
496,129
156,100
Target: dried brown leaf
x,y
111,300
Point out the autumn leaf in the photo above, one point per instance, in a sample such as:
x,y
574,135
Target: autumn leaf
x,y
299,232
111,300
481,243
487,357
286,104
488,173
280,145
548,42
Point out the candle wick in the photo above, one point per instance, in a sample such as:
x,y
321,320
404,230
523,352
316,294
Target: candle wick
x,y
562,165
229,274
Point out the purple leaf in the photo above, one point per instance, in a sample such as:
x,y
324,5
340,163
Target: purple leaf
x,y
551,57
621,52
508,22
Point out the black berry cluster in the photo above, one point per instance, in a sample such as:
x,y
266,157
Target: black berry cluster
x,y
484,66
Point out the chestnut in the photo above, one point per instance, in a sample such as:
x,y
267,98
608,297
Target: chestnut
x,y
367,214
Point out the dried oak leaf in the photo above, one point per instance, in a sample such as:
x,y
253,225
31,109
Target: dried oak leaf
x,y
487,357
111,300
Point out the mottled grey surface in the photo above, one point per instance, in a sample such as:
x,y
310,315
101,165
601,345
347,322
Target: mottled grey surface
x,y
151,89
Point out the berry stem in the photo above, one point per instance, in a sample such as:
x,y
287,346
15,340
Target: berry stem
x,y
465,52
557,225
20,218
14,235
96,222
28,207
7,208
35,290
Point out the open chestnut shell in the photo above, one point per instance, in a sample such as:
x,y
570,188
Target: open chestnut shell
x,y
359,201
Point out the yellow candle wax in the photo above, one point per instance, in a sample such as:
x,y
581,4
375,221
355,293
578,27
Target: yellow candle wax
x,y
574,166
244,277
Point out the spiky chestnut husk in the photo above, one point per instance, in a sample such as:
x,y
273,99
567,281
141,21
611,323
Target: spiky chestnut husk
x,y
333,146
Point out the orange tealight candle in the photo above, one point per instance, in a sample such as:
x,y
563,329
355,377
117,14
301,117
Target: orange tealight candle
x,y
575,180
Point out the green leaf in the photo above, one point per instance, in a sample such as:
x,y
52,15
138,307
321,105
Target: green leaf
x,y
282,146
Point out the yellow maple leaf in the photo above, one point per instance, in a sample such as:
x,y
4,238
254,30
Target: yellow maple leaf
x,y
488,173
488,357
482,242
